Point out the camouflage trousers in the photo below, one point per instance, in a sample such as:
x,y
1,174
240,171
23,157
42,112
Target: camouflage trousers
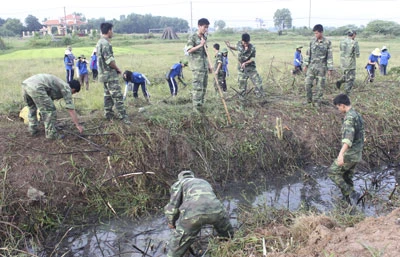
x,y
37,98
342,176
349,76
113,96
187,229
221,81
244,75
200,80
318,74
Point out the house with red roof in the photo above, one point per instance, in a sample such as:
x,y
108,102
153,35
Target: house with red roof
x,y
71,21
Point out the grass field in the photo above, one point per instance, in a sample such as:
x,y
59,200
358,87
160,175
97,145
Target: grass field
x,y
155,57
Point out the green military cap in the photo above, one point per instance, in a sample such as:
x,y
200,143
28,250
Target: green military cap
x,y
82,56
224,50
184,62
351,32
299,46
185,174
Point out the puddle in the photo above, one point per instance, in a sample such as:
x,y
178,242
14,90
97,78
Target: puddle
x,y
150,237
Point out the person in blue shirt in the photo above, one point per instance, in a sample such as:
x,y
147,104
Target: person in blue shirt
x,y
384,60
176,71
83,71
372,62
69,68
224,68
69,59
93,65
137,79
298,61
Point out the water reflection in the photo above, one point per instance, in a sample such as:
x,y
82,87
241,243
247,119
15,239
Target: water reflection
x,y
310,190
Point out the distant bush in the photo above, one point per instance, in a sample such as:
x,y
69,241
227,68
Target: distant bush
x,y
2,44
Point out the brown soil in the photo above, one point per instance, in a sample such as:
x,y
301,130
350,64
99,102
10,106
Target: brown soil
x,y
372,237
47,166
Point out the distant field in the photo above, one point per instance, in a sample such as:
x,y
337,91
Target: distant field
x,y
155,57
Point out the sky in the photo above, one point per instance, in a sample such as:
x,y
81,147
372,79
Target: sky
x,y
235,13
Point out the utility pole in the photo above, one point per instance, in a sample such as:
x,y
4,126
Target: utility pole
x,y
191,16
309,16
65,21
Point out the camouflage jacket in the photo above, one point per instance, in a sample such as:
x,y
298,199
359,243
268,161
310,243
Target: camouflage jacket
x,y
245,55
55,88
218,60
105,56
353,135
319,53
197,59
191,196
349,51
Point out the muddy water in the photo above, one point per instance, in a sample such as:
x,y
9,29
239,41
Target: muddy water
x,y
149,237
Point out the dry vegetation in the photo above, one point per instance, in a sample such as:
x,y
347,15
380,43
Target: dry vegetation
x,y
118,171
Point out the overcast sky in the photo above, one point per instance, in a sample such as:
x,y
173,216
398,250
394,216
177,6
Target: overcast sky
x,y
235,13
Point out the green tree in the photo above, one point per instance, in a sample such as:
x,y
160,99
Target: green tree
x,y
13,26
283,19
32,23
383,27
219,24
2,21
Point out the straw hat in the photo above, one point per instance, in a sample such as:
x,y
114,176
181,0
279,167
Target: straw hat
x,y
376,52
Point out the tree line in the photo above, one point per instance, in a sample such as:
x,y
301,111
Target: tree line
x,y
137,23
132,23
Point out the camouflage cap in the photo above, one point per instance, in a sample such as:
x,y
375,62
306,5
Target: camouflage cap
x,y
185,174
299,46
82,56
224,50
185,62
351,32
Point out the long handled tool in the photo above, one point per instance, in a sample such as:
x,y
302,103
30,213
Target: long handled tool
x,y
218,87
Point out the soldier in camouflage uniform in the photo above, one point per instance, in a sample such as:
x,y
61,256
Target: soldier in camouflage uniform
x,y
342,169
349,51
247,64
317,61
39,91
198,62
218,61
109,75
193,204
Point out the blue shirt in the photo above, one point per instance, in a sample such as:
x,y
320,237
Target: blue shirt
x,y
68,63
82,66
93,62
298,59
225,63
372,58
385,56
176,70
137,78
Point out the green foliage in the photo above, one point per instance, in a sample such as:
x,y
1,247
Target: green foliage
x,y
283,19
219,24
2,44
137,23
14,26
32,23
383,27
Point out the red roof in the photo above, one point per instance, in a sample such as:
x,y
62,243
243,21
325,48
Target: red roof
x,y
71,19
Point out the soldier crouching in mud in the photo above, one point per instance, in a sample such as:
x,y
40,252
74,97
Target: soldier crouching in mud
x,y
193,204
